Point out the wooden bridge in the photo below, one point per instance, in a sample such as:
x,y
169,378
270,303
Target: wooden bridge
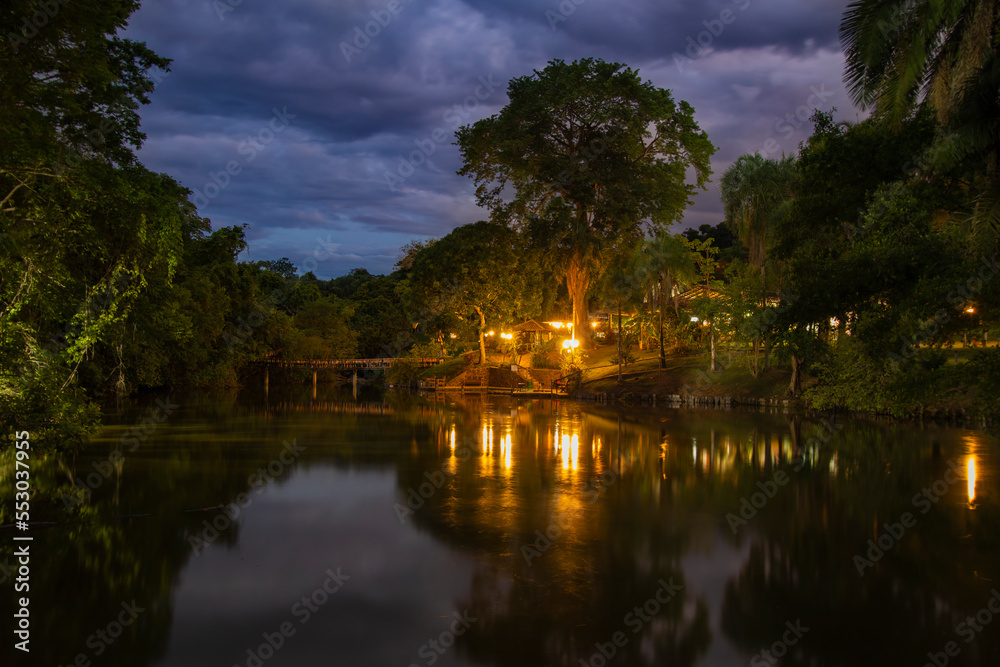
x,y
380,363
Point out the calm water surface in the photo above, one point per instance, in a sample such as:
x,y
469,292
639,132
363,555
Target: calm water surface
x,y
398,530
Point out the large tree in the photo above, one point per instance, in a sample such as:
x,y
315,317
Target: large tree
x,y
82,227
474,273
586,152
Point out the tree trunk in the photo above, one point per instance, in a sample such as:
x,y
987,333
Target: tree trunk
x,y
619,342
577,282
795,428
795,387
673,297
763,285
711,333
482,336
659,300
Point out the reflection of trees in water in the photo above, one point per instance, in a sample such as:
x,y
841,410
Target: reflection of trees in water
x,y
803,543
93,561
604,558
85,567
852,480
674,474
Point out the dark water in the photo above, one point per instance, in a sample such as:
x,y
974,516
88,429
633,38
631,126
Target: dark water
x,y
407,531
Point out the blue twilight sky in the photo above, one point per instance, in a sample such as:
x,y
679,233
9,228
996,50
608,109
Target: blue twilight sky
x,y
326,125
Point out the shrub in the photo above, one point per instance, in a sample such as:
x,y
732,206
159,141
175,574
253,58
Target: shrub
x,y
628,357
545,356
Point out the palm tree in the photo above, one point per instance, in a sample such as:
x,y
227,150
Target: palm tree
x,y
905,53
754,189
902,52
667,260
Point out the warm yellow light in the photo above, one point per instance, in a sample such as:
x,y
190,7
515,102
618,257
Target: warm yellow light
x,y
557,325
486,448
970,310
972,478
694,319
507,336
593,324
453,439
570,343
489,333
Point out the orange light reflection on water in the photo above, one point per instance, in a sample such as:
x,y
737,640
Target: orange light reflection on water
x,y
972,479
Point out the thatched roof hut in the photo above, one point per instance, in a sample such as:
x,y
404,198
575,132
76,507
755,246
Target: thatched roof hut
x,y
534,327
536,332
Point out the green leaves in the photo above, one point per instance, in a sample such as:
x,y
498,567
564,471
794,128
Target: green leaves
x,y
476,266
588,151
593,134
753,188
84,230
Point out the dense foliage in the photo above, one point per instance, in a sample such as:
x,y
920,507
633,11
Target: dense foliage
x,y
858,262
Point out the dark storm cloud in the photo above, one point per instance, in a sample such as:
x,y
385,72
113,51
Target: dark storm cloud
x,y
334,143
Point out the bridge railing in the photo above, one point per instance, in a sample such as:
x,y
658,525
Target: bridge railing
x,y
359,364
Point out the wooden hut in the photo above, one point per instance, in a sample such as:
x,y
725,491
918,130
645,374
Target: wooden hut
x,y
535,332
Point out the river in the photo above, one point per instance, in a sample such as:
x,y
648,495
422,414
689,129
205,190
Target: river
x,y
291,530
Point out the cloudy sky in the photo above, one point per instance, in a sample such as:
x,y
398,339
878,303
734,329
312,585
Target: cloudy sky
x,y
301,118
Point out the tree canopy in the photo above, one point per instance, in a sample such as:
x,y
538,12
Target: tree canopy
x,y
586,152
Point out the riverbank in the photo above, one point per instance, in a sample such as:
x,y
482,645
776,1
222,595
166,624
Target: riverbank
x,y
951,392
685,377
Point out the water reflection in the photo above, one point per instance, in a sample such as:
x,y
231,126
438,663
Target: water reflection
x,y
972,480
584,530
550,521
